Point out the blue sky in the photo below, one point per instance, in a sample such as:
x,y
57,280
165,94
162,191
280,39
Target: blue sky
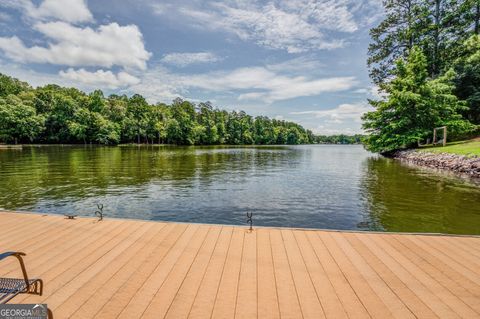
x,y
299,60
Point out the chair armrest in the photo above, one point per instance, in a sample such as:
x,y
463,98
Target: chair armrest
x,y
22,264
11,253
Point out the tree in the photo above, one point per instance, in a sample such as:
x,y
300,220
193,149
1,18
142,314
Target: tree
x,y
437,26
413,107
447,25
184,114
206,118
135,124
19,121
55,114
467,81
394,36
9,85
104,131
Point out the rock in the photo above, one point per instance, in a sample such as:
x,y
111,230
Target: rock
x,y
455,163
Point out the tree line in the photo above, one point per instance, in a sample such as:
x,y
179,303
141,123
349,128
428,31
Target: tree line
x,y
54,114
425,58
338,139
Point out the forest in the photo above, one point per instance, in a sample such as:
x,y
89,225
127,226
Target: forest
x,y
54,114
425,59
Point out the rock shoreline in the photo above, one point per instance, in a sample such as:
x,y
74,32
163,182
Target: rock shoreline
x,y
459,164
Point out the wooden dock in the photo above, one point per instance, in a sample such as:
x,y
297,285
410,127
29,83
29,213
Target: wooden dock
x,y
138,269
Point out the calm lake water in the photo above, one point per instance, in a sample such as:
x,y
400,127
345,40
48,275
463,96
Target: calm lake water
x,y
321,186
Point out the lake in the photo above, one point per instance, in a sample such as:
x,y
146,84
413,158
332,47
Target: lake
x,y
315,186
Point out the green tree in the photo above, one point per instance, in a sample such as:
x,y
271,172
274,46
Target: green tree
x,y
135,123
19,121
394,36
68,115
184,114
437,26
206,118
104,131
9,85
467,81
58,105
413,107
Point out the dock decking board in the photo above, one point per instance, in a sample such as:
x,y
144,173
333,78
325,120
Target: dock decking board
x,y
139,269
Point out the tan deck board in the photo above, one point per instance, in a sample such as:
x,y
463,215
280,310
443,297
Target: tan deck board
x,y
132,269
288,301
428,297
456,264
396,307
352,305
445,268
404,293
26,229
226,298
450,303
62,275
97,299
457,253
372,302
331,304
68,306
307,295
37,244
204,301
120,299
463,246
443,279
267,299
247,283
182,303
142,298
162,300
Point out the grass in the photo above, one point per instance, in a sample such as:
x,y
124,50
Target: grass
x,y
469,148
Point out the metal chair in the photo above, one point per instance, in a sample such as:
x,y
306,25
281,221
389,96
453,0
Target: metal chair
x,y
10,287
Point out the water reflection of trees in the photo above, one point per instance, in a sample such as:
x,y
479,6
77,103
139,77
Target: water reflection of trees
x,y
56,173
401,198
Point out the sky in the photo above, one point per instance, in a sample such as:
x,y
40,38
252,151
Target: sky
x,y
297,60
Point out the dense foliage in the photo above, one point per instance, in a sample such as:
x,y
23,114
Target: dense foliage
x,y
414,106
425,59
338,139
438,27
467,81
53,114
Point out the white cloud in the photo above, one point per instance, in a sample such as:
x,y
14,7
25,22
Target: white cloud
x,y
250,83
336,130
298,65
159,85
268,26
343,119
184,59
106,46
100,78
73,11
340,114
292,25
261,83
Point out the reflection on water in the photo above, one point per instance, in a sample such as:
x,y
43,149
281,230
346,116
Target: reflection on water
x,y
340,187
403,198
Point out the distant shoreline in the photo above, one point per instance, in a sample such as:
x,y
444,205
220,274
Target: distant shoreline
x,y
18,146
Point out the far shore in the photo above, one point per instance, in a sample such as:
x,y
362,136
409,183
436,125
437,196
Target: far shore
x,y
7,146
